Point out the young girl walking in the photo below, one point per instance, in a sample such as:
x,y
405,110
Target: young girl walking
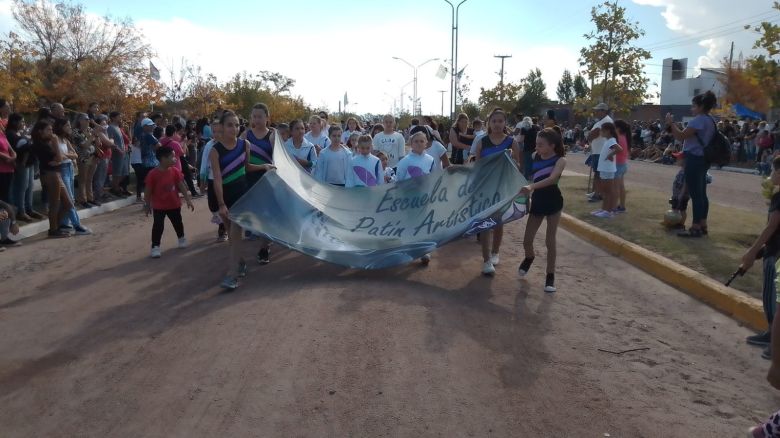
x,y
261,151
333,163
495,142
229,162
365,170
300,148
414,165
546,201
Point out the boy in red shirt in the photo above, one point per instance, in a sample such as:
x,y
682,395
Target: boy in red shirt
x,y
163,185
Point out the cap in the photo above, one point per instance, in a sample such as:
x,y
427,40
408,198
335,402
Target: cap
x,y
678,155
147,122
602,106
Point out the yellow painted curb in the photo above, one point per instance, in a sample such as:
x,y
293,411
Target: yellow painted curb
x,y
734,303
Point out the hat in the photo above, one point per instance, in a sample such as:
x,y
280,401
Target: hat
x,y
147,122
678,155
602,106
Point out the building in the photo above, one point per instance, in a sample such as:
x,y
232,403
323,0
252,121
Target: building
x,y
678,89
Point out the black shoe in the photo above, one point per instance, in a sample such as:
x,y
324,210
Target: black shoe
x,y
66,228
767,353
94,203
264,256
691,233
761,339
549,283
9,242
525,266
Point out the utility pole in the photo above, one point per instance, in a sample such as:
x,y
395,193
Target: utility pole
x,y
731,55
503,57
454,53
442,101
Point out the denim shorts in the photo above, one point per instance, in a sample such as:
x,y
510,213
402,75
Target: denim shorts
x,y
607,175
621,170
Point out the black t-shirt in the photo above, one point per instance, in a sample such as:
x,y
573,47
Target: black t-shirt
x,y
773,244
529,138
45,154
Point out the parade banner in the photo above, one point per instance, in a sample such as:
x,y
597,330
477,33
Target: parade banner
x,y
381,226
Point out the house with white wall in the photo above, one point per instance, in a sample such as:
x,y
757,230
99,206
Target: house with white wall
x,y
678,89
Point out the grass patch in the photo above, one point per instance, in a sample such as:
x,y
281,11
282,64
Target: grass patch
x,y
732,231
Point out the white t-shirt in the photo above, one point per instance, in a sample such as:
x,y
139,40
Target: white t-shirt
x,y
413,165
477,138
604,164
598,142
393,145
305,152
321,141
332,166
436,151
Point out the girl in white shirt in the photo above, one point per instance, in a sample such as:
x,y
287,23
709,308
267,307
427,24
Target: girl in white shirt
x,y
353,127
316,136
607,169
333,163
414,165
365,169
436,150
299,147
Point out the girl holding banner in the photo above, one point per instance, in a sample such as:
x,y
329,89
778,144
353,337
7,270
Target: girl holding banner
x,y
546,200
495,142
300,148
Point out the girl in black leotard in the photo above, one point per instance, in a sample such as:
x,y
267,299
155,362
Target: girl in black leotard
x,y
546,200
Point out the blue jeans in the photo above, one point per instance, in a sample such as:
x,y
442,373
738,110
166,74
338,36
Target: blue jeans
x,y
101,173
71,217
696,180
22,189
769,295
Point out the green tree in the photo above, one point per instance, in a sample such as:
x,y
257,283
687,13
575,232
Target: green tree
x,y
764,69
565,89
504,96
612,61
581,89
534,95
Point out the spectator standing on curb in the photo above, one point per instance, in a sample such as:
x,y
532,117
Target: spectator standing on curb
x,y
695,137
120,162
22,186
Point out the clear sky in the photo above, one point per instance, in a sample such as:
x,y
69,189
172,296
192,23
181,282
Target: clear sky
x,y
349,45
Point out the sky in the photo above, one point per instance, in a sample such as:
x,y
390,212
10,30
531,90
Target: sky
x,y
348,46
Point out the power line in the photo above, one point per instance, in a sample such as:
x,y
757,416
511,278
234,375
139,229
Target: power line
x,y
694,39
730,24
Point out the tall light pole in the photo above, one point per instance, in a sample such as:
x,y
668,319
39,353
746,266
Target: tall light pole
x,y
414,105
502,57
454,54
402,93
442,101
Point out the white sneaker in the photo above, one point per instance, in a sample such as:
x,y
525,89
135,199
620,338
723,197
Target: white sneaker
x,y
488,269
425,259
494,259
156,253
183,242
603,214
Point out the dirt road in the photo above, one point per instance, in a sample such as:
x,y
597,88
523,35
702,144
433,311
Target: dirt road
x,y
731,189
101,341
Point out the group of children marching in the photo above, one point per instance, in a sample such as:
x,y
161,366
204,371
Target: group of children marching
x,y
233,162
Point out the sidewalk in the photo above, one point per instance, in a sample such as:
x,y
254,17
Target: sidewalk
x,y
42,226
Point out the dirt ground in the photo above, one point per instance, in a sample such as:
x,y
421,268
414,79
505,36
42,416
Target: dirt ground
x,y
731,189
101,341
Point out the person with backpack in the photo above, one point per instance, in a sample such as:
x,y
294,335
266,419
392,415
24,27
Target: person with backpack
x,y
697,137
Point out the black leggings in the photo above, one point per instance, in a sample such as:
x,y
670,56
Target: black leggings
x,y
159,224
187,172
5,186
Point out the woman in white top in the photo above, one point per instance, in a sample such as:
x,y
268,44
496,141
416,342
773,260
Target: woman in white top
x,y
300,148
353,127
316,136
70,218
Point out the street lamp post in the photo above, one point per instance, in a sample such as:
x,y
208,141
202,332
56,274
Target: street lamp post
x,y
414,104
454,54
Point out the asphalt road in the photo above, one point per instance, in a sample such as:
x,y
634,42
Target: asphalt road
x,y
99,340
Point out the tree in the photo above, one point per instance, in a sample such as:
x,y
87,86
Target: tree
x,y
612,61
504,96
534,95
581,90
79,58
741,86
764,69
565,89
18,78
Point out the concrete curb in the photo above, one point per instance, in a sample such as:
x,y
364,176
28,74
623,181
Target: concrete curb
x,y
733,303
43,225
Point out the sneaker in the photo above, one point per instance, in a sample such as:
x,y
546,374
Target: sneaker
x,y
425,259
94,203
229,284
66,227
549,283
8,242
761,339
243,269
595,212
222,237
603,214
767,353
590,195
156,253
183,242
620,209
525,266
264,256
595,199
756,432
24,218
494,259
57,234
488,269
35,215
83,231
